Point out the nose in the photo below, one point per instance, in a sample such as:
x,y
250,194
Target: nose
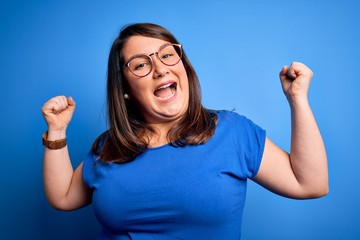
x,y
159,69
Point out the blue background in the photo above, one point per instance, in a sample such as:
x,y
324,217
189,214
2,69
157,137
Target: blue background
x,y
50,48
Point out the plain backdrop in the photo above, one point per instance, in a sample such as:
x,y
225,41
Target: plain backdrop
x,y
50,48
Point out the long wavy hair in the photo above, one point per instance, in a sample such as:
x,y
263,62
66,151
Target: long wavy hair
x,y
125,138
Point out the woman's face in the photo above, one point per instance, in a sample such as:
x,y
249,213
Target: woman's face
x,y
163,95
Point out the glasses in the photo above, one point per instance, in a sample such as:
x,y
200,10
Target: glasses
x,y
142,65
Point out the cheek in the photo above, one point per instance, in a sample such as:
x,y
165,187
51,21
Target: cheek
x,y
184,81
128,83
132,83
139,89
181,73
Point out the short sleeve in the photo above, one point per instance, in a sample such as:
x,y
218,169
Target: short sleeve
x,y
249,142
88,170
253,147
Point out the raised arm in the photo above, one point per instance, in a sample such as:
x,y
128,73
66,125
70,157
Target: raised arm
x,y
64,187
303,173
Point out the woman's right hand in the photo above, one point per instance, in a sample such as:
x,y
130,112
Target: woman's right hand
x,y
58,112
64,187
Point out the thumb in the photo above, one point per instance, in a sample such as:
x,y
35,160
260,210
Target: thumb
x,y
283,73
292,72
71,102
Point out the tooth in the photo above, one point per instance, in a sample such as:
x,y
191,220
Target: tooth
x,y
165,86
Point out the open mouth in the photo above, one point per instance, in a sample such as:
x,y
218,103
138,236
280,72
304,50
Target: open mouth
x,y
166,91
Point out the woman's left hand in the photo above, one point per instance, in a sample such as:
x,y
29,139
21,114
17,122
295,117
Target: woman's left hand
x,y
295,81
303,173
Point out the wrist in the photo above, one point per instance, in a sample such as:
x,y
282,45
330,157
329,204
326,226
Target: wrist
x,y
298,101
53,134
299,104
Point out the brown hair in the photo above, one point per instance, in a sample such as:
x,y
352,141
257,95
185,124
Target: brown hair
x,y
124,140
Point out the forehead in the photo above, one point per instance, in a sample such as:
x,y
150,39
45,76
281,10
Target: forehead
x,y
142,45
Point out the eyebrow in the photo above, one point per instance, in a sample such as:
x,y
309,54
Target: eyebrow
x,y
144,54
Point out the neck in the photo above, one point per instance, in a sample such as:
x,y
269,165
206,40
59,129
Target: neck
x,y
158,136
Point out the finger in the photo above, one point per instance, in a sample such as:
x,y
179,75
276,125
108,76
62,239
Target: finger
x,y
292,72
54,105
60,103
283,71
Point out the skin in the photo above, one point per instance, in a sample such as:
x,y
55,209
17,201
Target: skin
x,y
63,186
301,174
160,114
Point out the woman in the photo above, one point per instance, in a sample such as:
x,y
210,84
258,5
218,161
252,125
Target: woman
x,y
168,168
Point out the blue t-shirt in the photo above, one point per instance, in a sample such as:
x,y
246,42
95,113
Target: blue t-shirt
x,y
191,192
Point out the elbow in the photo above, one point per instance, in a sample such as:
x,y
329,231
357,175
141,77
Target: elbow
x,y
67,204
317,187
63,208
311,191
318,192
325,191
59,205
322,188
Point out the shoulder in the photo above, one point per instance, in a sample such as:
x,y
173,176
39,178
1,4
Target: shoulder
x,y
226,116
236,123
92,161
99,143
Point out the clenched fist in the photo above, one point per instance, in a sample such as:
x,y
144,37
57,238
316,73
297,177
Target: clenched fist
x,y
58,112
295,81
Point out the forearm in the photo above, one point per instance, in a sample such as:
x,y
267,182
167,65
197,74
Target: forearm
x,y
57,171
64,187
307,154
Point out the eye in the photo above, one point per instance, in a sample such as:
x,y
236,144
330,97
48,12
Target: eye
x,y
168,52
140,63
140,66
167,55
